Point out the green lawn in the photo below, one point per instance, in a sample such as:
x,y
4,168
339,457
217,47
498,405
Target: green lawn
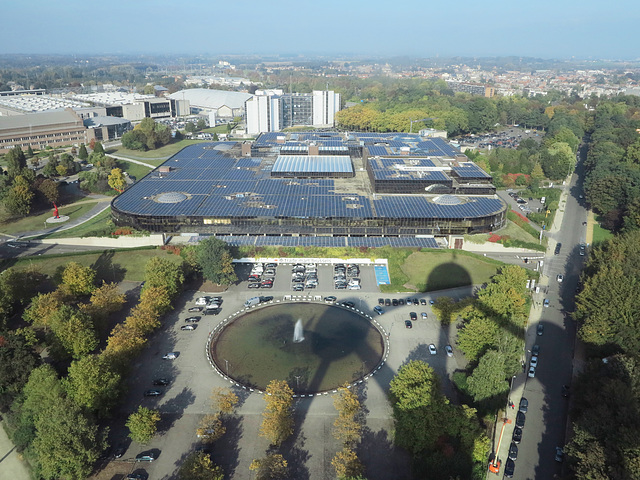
x,y
436,270
514,232
133,169
36,222
111,265
600,234
99,222
154,157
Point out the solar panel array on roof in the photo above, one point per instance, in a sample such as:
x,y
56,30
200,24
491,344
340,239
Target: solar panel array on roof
x,y
419,207
372,242
470,170
377,151
297,164
437,147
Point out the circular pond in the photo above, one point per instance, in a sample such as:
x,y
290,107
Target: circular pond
x,y
333,346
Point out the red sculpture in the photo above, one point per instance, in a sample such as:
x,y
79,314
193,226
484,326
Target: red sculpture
x,y
55,211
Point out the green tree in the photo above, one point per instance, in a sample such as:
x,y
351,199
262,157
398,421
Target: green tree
x,y
633,153
79,280
16,161
82,153
537,173
190,127
347,464
134,140
74,332
199,466
50,190
160,272
49,169
215,261
200,125
558,160
67,442
61,170
277,423
30,152
116,180
271,467
17,287
18,200
98,148
488,379
143,424
92,383
17,361
211,428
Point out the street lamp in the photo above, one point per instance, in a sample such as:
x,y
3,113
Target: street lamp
x,y
226,362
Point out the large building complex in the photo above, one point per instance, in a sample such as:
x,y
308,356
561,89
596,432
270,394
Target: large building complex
x,y
272,111
38,130
328,188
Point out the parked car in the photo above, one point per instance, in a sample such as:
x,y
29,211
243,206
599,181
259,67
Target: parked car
x,y
517,435
524,405
401,301
162,382
560,278
152,393
348,304
330,298
188,327
387,302
449,350
540,329
532,372
509,468
202,301
513,451
298,287
546,302
520,419
423,301
424,315
395,302
146,457
408,324
170,356
566,390
535,350
413,316
192,319
559,455
378,310
195,309
432,349
557,250
381,301
254,285
534,361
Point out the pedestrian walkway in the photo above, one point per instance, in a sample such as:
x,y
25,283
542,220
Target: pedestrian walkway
x,y
129,159
11,465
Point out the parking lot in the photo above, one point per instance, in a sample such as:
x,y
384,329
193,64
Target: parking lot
x,y
186,397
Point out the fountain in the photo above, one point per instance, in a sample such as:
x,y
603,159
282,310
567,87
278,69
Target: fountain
x,y
298,332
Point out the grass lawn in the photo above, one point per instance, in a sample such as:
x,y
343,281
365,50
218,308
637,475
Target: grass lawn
x,y
99,222
36,222
437,270
111,265
600,234
154,157
514,232
133,169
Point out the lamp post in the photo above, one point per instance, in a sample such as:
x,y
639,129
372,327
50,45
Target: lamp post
x,y
226,362
297,382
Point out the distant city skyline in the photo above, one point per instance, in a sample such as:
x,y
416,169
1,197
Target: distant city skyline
x,y
545,29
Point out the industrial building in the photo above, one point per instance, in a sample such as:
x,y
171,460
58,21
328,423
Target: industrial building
x,y
256,193
39,130
272,111
221,103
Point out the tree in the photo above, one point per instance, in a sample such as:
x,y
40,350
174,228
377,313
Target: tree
x,y
116,180
74,332
43,307
104,301
16,161
143,424
224,400
67,442
61,170
82,153
537,173
199,466
29,152
134,140
347,464
50,190
200,125
17,361
160,272
123,343
92,383
78,280
18,200
277,423
211,428
271,467
17,287
488,379
190,127
49,169
98,148
215,261
347,428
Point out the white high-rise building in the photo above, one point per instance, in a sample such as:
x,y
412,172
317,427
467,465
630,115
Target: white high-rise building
x,y
273,111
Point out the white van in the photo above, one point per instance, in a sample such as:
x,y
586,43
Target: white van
x,y
251,302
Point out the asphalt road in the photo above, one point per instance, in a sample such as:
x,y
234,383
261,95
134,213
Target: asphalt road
x,y
546,419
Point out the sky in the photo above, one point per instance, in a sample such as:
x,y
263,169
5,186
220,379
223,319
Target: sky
x,y
543,28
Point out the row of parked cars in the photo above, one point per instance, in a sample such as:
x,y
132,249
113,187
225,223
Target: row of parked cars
x,y
262,275
346,276
304,276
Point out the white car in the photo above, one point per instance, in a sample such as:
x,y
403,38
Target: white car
x,y
170,356
432,349
534,361
532,372
202,301
560,278
354,287
449,350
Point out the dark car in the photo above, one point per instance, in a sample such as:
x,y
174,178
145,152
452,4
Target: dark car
x,y
298,287
401,301
520,419
416,301
330,298
162,382
152,393
540,329
265,299
192,319
413,316
557,250
381,301
348,304
119,451
524,405
266,285
535,350
254,285
387,302
408,324
395,302
195,309
517,435
423,301
513,451
135,476
509,468
566,390
188,327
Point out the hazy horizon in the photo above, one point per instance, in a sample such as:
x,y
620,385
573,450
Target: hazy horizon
x,y
544,29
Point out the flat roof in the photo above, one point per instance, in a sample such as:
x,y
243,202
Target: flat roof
x,y
301,164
